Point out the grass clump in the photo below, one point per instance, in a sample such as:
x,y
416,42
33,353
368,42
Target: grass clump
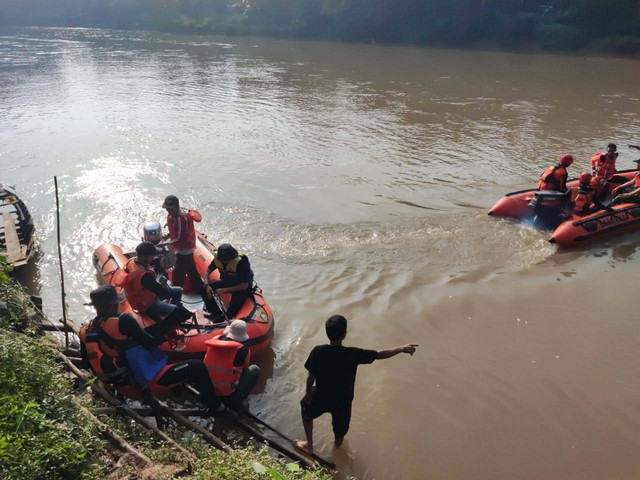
x,y
42,435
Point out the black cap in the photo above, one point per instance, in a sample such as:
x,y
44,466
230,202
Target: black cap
x,y
171,201
226,252
105,295
146,248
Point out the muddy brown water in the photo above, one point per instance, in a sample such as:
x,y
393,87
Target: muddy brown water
x,y
357,178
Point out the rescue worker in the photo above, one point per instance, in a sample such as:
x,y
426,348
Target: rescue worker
x,y
182,237
236,278
634,195
228,362
127,357
585,200
555,177
603,165
144,293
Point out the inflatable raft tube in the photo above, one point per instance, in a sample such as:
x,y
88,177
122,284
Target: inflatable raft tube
x,y
108,259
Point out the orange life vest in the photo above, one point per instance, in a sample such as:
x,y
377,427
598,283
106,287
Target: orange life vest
x,y
178,224
604,166
582,202
219,361
636,180
93,336
138,297
553,178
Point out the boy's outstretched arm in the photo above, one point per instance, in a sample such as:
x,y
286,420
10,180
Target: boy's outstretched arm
x,y
409,348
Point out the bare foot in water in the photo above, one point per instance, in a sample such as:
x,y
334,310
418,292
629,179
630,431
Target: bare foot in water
x,y
303,446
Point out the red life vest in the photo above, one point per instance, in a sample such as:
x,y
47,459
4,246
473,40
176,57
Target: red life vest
x,y
219,361
177,227
636,180
138,297
604,166
553,178
582,202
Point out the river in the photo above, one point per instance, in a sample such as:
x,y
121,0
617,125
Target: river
x,y
357,178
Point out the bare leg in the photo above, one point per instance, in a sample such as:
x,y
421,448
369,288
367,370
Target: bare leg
x,y
306,446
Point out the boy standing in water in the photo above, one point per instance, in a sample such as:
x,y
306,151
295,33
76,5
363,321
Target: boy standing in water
x,y
333,369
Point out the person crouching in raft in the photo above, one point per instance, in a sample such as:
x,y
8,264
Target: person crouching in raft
x,y
333,370
182,237
127,357
228,362
555,177
586,200
634,195
144,293
236,278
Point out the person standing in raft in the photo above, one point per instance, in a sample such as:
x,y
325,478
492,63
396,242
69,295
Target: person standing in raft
x,y
603,166
182,236
634,195
228,362
236,278
333,369
144,293
124,355
555,177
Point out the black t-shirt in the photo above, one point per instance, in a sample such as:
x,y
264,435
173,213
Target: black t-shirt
x,y
335,367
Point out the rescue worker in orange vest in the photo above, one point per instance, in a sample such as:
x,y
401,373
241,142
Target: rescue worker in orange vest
x,y
555,177
634,195
603,166
236,278
585,200
127,357
182,235
228,362
144,293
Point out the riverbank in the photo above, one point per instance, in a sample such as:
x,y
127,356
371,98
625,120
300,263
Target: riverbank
x,y
44,435
587,26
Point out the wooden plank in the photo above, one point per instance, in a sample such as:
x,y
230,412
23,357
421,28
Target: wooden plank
x,y
11,240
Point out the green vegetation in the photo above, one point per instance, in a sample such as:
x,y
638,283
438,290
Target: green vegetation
x,y
567,25
43,435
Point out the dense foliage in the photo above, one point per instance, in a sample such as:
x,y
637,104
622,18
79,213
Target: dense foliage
x,y
41,433
605,25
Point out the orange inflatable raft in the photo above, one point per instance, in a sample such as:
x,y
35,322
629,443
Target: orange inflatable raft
x,y
108,259
576,229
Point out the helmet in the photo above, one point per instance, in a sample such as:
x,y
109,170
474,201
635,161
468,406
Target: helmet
x,y
566,160
585,177
225,252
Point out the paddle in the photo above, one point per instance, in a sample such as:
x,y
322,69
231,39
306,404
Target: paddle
x,y
637,147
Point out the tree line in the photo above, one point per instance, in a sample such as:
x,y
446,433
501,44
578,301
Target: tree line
x,y
565,25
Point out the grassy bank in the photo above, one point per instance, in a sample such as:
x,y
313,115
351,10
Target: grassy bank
x,y
43,435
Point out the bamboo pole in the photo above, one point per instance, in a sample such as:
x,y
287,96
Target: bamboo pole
x,y
112,436
100,391
64,302
150,412
185,422
321,460
289,452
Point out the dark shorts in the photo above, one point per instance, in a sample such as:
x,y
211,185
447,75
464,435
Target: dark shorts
x,y
340,414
